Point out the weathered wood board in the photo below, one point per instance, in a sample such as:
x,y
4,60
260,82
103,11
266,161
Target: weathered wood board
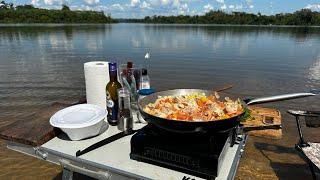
x,y
33,129
264,117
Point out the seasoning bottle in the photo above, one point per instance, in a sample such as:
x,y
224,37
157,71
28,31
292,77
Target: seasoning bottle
x,y
145,80
125,119
112,95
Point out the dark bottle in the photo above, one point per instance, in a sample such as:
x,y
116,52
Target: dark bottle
x,y
129,64
112,95
129,71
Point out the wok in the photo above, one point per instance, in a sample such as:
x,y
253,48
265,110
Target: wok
x,y
177,126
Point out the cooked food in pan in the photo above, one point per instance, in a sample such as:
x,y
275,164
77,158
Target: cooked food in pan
x,y
194,107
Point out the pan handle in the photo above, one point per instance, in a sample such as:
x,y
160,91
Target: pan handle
x,y
278,98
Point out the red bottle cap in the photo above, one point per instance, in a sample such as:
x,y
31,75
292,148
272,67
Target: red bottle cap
x,y
129,64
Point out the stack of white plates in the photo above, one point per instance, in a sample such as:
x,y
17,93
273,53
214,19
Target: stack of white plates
x,y
79,121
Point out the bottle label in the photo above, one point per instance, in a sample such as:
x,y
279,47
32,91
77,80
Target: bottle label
x,y
112,108
110,103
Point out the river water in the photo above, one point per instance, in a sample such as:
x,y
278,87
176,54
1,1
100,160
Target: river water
x,y
42,64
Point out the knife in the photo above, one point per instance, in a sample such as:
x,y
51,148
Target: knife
x,y
105,142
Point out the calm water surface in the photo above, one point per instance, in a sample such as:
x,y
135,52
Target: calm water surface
x,y
42,64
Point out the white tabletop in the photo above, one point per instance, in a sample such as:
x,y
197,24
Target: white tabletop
x,y
115,155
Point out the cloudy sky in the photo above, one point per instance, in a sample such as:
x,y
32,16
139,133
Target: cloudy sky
x,y
141,8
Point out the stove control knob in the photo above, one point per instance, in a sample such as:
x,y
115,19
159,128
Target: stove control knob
x,y
241,152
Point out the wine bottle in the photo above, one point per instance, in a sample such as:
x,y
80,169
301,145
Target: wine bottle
x,y
112,95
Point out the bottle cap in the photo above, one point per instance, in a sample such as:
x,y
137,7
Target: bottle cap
x,y
144,72
146,92
112,66
129,64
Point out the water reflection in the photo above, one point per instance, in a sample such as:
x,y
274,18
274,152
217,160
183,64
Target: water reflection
x,y
314,71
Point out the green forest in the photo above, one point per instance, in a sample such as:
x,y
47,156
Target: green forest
x,y
29,14
304,17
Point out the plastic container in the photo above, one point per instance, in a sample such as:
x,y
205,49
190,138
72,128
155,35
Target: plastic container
x,y
79,121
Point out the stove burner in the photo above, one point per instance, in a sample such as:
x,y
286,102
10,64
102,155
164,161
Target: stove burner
x,y
198,155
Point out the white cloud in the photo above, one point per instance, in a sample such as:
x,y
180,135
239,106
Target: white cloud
x,y
35,2
207,8
314,7
249,4
164,2
134,3
50,2
194,12
231,6
175,3
117,6
81,7
91,2
145,5
183,9
140,8
223,7
239,7
220,1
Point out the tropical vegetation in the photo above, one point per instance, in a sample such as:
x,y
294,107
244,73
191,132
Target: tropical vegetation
x,y
30,14
301,17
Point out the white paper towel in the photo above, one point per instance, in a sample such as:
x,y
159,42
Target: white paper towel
x,y
96,76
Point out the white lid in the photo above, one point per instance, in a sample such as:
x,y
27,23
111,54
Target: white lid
x,y
78,116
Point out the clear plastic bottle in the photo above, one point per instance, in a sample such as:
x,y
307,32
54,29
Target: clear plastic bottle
x,y
145,80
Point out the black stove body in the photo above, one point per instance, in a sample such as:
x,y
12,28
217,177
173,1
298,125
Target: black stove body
x,y
200,155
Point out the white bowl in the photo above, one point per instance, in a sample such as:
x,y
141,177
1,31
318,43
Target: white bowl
x,y
79,121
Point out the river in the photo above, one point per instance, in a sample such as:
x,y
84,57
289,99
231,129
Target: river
x,y
41,64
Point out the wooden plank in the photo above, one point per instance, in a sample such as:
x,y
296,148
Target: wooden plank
x,y
260,117
33,129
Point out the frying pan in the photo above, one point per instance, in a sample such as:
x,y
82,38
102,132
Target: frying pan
x,y
177,126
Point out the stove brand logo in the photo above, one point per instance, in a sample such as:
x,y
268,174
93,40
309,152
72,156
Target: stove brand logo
x,y
187,178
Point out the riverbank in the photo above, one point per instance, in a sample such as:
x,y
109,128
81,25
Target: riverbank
x,y
16,165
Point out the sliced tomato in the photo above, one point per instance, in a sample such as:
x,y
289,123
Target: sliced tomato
x,y
200,103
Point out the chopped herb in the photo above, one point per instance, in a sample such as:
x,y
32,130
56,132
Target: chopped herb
x,y
247,114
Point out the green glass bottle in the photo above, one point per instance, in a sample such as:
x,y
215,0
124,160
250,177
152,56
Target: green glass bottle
x,y
112,95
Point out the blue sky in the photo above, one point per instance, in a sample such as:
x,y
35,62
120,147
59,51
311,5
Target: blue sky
x,y
141,8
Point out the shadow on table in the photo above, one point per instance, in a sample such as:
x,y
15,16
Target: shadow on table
x,y
76,176
284,170
65,137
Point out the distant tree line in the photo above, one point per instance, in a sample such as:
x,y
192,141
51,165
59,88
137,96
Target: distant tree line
x,y
301,17
29,14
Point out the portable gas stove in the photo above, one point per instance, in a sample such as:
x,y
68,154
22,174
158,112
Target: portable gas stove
x,y
199,155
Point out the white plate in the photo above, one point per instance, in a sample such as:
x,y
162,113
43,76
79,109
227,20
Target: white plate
x,y
78,116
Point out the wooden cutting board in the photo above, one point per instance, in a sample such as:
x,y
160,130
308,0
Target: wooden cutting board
x,y
260,117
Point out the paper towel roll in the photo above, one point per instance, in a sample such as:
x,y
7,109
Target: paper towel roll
x,y
96,76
